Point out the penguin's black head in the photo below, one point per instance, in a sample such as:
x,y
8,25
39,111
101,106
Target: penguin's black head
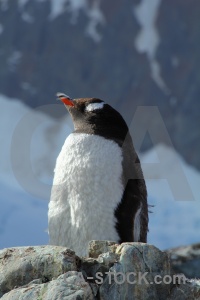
x,y
94,116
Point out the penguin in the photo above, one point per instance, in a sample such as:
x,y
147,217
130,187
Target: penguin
x,y
98,191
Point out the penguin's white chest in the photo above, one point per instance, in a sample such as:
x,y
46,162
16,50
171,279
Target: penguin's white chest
x,y
86,190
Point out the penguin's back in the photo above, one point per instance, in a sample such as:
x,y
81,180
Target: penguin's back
x,y
86,191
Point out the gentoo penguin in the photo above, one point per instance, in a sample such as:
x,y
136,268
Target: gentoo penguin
x,y
98,192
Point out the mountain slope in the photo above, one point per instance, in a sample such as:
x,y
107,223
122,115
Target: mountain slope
x,y
130,53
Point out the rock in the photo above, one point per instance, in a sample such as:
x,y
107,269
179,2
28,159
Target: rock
x,y
19,266
186,260
188,291
95,248
126,271
68,285
140,259
105,254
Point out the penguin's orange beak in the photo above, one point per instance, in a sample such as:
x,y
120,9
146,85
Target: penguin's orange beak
x,y
65,99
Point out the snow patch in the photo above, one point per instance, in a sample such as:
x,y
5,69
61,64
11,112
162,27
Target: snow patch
x,y
25,15
96,18
91,9
58,7
148,39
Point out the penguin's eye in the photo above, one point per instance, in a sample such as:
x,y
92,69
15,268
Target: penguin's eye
x,y
94,106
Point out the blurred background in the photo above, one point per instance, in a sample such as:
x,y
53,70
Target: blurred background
x,y
131,54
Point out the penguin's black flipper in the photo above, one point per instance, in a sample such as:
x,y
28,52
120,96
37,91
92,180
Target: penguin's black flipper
x,y
131,214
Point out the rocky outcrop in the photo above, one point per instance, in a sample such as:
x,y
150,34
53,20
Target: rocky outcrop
x,y
20,266
126,271
186,260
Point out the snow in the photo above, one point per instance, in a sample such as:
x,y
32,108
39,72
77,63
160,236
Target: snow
x,y
148,39
172,222
91,9
29,132
23,219
58,7
96,17
26,169
30,142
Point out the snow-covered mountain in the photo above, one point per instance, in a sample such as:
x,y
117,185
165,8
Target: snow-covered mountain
x,y
30,143
129,53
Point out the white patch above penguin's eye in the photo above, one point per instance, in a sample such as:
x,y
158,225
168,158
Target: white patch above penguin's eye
x,y
94,106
